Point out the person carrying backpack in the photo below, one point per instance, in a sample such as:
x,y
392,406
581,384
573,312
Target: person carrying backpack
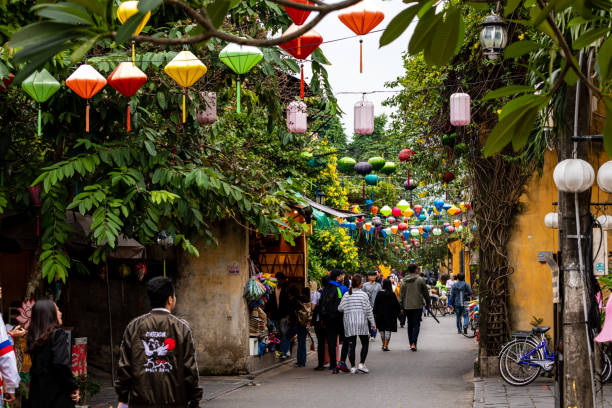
x,y
460,294
332,318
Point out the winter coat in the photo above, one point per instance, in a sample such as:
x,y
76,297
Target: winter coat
x,y
460,293
372,290
358,316
52,381
414,292
157,363
386,311
328,311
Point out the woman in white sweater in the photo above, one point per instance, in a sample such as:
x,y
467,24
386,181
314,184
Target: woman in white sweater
x,y
358,319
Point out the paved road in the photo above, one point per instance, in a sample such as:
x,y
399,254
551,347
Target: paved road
x,y
438,375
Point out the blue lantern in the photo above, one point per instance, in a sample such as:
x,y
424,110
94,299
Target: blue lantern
x,y
446,206
422,216
371,179
439,204
369,204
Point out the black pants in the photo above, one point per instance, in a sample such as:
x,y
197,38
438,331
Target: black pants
x,y
321,335
413,316
352,345
402,319
335,331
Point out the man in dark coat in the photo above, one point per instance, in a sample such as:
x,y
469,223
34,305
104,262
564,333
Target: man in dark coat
x,y
460,293
413,294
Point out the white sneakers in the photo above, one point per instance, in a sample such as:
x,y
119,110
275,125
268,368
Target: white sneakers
x,y
353,370
363,368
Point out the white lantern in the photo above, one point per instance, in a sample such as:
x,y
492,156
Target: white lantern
x,y
604,177
364,117
494,36
209,115
573,176
551,220
460,109
605,221
296,117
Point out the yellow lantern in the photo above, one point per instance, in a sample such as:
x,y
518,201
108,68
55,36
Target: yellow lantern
x,y
126,10
408,212
462,206
185,69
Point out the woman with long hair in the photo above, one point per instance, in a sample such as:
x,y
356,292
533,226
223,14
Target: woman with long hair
x,y
386,311
52,383
358,319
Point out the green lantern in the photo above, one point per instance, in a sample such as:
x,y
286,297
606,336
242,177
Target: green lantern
x,y
306,156
240,59
347,165
40,86
386,211
403,205
377,163
388,168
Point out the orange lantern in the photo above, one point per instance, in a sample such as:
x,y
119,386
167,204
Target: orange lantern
x,y
374,210
127,80
394,229
361,19
86,82
301,48
298,16
457,223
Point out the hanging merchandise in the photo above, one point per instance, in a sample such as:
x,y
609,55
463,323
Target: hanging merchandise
x,y
391,220
127,80
371,179
460,109
437,231
141,270
406,155
363,168
386,211
126,10
364,117
457,223
185,68
361,18
410,185
377,163
396,212
240,59
347,165
296,117
449,140
418,209
402,205
374,210
439,204
86,82
408,212
301,47
298,16
40,85
453,210
388,168
402,226
208,116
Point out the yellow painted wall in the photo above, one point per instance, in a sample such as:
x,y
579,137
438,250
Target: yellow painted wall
x,y
455,249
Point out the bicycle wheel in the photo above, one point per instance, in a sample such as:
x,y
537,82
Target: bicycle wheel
x,y
513,372
471,329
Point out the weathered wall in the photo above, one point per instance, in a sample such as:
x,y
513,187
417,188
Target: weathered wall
x,y
455,248
210,298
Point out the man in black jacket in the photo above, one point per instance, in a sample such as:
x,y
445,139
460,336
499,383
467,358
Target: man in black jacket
x,y
157,361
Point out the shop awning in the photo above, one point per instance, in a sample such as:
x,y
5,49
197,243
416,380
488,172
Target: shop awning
x,y
334,212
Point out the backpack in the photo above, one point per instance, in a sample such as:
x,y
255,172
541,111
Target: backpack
x,y
304,315
329,302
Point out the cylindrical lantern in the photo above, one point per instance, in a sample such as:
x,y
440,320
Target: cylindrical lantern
x,y
605,221
494,36
604,177
296,117
551,220
208,116
364,117
573,176
460,109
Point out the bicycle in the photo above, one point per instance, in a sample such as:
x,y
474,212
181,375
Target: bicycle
x,y
471,330
438,305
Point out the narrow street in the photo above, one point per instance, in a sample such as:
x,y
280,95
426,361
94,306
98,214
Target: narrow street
x,y
439,374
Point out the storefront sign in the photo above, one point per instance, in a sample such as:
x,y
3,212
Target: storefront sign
x,y
79,357
233,268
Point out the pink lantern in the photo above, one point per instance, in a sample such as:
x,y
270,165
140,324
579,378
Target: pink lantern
x,y
296,117
396,212
460,109
606,333
391,220
35,195
364,117
402,226
209,115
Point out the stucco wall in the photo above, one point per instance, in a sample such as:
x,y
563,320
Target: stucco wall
x,y
210,298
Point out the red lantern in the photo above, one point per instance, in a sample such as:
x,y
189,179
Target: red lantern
x,y
448,177
396,212
127,80
402,226
86,82
406,155
6,82
418,209
35,195
301,48
298,16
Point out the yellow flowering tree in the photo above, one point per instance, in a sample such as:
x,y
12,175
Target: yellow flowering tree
x,y
333,248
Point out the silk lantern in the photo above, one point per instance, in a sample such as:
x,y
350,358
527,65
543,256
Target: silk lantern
x,y
457,223
604,177
347,165
402,205
185,68
396,212
40,85
389,168
363,168
392,219
364,117
240,59
460,109
402,226
405,155
296,117
298,16
86,82
437,231
551,220
361,18
376,162
408,212
386,211
208,116
374,210
127,80
126,10
301,48
371,179
418,209
394,229
573,176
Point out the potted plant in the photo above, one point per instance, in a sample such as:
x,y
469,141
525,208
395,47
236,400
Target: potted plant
x,y
88,388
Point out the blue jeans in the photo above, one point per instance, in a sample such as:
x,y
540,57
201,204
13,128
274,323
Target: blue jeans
x,y
283,328
459,311
302,332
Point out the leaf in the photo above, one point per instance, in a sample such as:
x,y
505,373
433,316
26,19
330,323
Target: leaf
x,y
589,37
520,48
511,5
126,30
422,35
34,33
398,25
604,59
607,131
217,11
507,91
478,6
150,148
68,15
444,40
83,49
317,56
145,6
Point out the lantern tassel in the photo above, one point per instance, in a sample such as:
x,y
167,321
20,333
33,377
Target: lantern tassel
x,y
361,56
128,116
134,53
87,117
164,267
302,81
39,121
184,106
238,96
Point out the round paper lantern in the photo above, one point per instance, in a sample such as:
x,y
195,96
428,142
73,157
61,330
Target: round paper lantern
x,y
418,209
364,118
405,155
573,176
457,223
361,18
347,165
391,220
374,210
409,212
240,59
371,179
86,82
437,231
403,205
298,16
551,220
414,232
450,229
605,221
422,216
296,117
604,177
363,168
427,228
386,211
394,229
460,109
40,85
208,116
376,221
126,10
388,168
402,226
409,185
127,80
376,162
301,47
185,68
474,227
396,212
